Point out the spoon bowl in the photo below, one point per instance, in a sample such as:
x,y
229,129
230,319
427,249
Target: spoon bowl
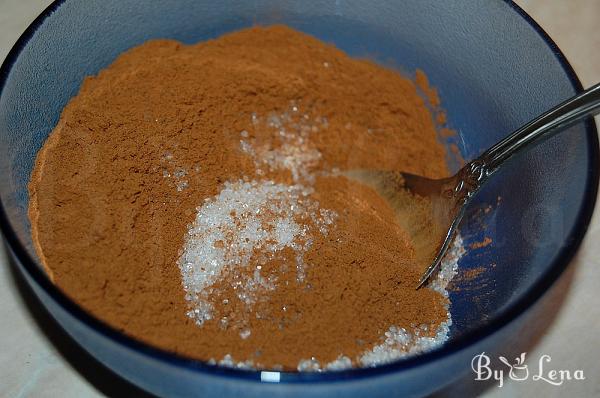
x,y
431,209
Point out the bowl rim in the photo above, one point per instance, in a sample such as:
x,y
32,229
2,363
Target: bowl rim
x,y
573,241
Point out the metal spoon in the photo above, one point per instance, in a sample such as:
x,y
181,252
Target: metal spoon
x,y
445,199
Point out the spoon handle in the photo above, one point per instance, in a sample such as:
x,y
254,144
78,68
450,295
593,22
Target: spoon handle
x,y
473,175
541,128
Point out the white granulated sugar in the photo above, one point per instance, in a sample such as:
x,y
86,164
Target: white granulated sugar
x,y
178,173
181,185
285,231
228,362
294,152
309,365
341,363
448,267
250,287
243,218
246,147
397,342
294,157
167,156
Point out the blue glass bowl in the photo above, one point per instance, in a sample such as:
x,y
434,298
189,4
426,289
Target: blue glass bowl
x,y
494,68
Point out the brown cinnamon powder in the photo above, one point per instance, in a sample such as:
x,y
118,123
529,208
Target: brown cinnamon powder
x,y
484,243
160,132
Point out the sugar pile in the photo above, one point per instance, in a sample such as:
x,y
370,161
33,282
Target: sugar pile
x,y
398,342
247,224
294,152
178,173
251,222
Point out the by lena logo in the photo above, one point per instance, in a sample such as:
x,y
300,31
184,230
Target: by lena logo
x,y
519,371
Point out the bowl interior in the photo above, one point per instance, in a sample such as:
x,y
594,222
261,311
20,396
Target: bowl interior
x,y
489,83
